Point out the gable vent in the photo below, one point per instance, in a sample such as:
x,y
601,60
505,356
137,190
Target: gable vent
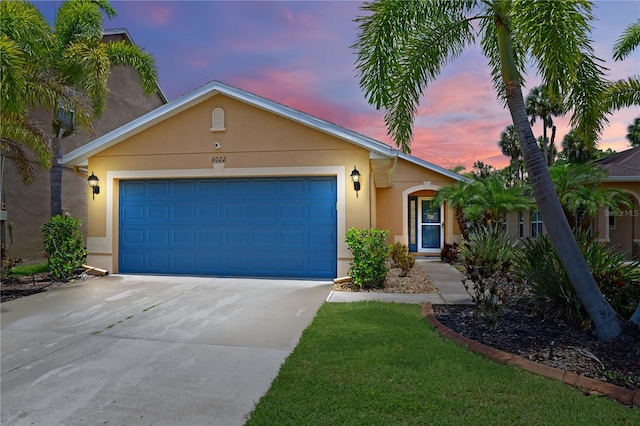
x,y
217,120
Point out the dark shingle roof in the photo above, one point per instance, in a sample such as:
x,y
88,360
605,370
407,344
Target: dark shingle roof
x,y
622,164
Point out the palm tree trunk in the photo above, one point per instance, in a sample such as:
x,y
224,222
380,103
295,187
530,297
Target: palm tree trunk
x,y
544,139
606,321
55,176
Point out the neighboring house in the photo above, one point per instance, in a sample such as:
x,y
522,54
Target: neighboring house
x,y
622,231
225,182
28,208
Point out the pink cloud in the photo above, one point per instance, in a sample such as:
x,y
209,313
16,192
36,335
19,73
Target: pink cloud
x,y
152,13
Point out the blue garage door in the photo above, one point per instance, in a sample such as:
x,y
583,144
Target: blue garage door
x,y
259,227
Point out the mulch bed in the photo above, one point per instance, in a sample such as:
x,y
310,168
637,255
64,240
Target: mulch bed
x,y
16,287
551,341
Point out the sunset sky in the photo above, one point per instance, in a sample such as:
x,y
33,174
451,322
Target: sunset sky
x,y
298,53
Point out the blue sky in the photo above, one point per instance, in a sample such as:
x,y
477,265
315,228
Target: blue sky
x,y
298,53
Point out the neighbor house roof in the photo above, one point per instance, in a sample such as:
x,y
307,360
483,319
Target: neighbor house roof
x,y
122,32
622,166
377,149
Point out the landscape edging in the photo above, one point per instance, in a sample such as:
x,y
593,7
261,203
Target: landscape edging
x,y
587,384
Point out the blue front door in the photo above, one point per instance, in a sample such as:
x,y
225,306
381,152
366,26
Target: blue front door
x,y
252,227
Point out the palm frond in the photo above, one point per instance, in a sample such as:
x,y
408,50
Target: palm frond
x,y
91,67
122,53
623,93
628,41
21,130
20,156
402,47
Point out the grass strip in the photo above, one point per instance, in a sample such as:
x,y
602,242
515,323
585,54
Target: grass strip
x,y
22,270
373,363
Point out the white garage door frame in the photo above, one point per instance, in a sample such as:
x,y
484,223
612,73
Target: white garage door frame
x,y
101,249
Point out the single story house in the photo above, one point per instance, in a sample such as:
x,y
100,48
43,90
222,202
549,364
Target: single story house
x,y
224,182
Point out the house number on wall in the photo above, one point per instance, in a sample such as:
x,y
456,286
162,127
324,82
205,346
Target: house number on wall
x,y
219,159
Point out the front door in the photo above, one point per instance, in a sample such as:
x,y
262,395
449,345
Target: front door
x,y
430,226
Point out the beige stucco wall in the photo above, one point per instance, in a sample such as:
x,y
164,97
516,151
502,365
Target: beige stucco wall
x,y
255,143
391,203
28,208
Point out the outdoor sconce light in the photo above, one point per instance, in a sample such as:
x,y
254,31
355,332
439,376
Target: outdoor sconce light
x,y
355,176
93,183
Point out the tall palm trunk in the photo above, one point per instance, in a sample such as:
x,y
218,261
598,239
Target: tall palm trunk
x,y
606,321
55,175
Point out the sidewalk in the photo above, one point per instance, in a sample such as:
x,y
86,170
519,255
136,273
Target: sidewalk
x,y
445,278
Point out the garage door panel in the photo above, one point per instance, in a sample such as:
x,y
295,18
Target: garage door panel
x,y
133,212
185,237
158,212
184,214
272,227
208,237
132,237
158,188
159,237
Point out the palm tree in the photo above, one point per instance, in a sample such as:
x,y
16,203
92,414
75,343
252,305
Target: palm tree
x,y
83,62
455,195
403,46
25,43
510,147
581,193
575,150
483,201
540,105
633,132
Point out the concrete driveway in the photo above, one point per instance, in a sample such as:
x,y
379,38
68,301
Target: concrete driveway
x,y
140,350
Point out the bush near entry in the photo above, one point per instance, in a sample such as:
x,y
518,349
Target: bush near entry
x,y
370,251
402,258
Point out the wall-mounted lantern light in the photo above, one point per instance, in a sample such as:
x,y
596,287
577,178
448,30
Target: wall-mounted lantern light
x,y
355,176
93,183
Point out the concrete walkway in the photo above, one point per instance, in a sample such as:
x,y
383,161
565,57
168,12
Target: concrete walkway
x,y
445,278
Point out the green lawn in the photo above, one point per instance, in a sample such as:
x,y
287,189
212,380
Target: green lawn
x,y
373,363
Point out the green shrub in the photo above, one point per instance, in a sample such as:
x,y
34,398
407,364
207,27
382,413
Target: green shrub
x,y
64,246
402,258
487,257
618,281
370,251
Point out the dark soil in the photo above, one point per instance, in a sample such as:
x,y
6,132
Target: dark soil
x,y
551,341
16,287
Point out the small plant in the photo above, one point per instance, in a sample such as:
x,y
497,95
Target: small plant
x,y
7,262
402,258
450,253
64,246
370,251
487,257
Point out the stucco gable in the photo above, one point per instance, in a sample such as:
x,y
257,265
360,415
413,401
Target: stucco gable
x,y
377,150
